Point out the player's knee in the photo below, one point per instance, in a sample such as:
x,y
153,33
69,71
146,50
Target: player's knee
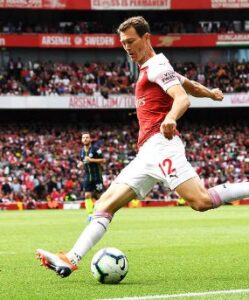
x,y
201,203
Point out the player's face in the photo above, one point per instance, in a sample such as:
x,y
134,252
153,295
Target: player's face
x,y
134,45
86,139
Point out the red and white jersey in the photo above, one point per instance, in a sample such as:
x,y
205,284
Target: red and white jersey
x,y
152,101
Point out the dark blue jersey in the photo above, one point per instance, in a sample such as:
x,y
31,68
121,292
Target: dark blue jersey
x,y
93,171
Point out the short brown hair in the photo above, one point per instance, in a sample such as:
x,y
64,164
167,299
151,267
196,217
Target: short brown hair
x,y
138,23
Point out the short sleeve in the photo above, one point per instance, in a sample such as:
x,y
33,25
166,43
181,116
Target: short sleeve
x,y
164,75
181,78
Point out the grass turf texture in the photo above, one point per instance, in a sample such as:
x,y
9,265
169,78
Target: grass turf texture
x,y
170,250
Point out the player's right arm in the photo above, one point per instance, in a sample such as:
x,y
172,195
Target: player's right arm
x,y
180,105
164,75
196,89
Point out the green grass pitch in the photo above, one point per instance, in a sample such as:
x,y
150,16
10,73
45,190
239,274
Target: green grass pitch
x,y
170,250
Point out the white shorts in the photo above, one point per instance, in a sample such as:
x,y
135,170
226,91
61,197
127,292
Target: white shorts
x,y
158,160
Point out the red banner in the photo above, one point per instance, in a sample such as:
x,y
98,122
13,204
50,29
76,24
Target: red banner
x,y
46,4
124,4
112,40
193,4
79,41
184,40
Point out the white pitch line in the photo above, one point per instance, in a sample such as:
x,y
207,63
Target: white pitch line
x,y
168,296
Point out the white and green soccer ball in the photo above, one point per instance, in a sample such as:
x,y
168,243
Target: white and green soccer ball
x,y
109,265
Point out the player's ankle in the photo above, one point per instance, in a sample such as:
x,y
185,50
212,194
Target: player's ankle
x,y
74,258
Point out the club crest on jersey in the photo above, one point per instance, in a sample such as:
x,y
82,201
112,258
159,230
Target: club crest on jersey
x,y
140,101
168,76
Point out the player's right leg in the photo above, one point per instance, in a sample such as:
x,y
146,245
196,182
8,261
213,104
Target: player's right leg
x,y
116,196
202,199
179,175
195,194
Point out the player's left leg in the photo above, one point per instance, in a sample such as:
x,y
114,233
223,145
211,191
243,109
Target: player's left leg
x,y
59,262
116,196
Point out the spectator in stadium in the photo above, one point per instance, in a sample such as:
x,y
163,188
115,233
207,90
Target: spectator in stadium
x,y
91,158
6,187
161,101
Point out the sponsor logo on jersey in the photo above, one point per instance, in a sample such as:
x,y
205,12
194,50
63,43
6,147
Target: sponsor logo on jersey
x,y
168,76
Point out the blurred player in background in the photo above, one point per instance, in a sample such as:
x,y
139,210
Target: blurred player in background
x,y
161,98
92,160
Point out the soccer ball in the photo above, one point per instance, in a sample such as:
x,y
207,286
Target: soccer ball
x,y
109,265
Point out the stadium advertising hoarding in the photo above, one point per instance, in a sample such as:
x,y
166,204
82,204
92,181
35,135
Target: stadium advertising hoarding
x,y
112,40
168,4
232,40
113,102
131,4
210,4
124,4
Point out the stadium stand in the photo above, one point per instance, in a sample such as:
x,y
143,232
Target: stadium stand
x,y
41,160
82,26
52,54
50,78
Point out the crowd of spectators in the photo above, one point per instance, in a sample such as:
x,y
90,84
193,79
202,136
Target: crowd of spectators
x,y
44,78
49,78
39,161
232,77
81,27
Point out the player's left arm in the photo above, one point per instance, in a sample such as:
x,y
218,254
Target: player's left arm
x,y
196,89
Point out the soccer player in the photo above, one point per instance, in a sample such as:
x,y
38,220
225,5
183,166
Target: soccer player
x,y
161,100
92,160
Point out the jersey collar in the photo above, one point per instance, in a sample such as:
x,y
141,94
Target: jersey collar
x,y
152,60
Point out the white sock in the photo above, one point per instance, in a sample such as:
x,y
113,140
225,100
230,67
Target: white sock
x,y
89,237
228,192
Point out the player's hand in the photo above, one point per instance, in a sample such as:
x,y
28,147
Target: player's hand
x,y
168,128
217,94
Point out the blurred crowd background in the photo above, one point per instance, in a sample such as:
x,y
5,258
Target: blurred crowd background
x,y
40,160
